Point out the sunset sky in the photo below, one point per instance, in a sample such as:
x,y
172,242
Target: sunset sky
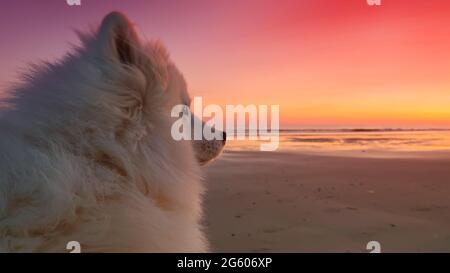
x,y
327,63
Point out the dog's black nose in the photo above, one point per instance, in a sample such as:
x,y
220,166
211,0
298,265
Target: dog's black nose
x,y
224,136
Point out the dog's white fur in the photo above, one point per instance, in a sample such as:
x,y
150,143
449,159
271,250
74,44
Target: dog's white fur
x,y
86,153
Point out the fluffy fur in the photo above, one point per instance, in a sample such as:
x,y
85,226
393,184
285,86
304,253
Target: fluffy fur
x,y
87,155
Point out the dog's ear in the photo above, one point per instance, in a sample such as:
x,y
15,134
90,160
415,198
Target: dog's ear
x,y
118,39
117,42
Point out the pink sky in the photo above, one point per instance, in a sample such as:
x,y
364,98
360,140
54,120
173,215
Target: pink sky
x,y
327,63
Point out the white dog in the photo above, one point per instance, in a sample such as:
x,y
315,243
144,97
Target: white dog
x,y
86,152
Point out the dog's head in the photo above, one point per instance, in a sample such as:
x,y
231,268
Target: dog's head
x,y
147,85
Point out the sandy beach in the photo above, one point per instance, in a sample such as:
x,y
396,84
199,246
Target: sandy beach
x,y
293,202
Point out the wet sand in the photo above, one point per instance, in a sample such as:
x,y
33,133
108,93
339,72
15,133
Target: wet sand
x,y
292,202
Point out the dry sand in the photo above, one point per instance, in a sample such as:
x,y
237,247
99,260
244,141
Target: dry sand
x,y
290,202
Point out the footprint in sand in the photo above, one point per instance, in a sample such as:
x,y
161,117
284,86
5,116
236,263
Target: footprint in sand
x,y
421,209
332,210
272,230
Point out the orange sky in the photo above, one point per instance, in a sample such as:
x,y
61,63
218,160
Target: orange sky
x,y
327,63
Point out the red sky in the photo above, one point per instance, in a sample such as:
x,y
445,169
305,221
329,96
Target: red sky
x,y
327,63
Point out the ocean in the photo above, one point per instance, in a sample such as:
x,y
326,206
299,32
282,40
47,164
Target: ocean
x,y
363,142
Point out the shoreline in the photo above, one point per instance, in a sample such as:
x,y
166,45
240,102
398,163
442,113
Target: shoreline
x,y
355,153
